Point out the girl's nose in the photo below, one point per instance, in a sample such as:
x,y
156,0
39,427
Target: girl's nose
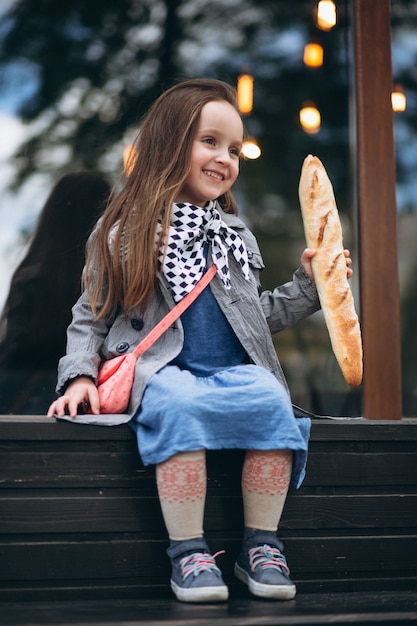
x,y
223,156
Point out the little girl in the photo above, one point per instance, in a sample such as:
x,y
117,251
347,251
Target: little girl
x,y
212,380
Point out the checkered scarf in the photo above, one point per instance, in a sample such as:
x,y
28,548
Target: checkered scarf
x,y
182,258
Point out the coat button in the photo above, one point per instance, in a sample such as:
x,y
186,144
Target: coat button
x,y
122,347
136,323
250,254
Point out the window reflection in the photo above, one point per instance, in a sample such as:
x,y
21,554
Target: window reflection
x,y
42,292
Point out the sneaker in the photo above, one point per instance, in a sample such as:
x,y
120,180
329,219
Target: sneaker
x,y
195,575
261,565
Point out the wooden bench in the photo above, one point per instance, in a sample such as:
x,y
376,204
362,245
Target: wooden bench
x,y
80,518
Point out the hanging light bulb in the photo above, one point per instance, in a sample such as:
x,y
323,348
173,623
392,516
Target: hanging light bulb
x,y
245,93
310,119
326,14
250,149
398,99
313,55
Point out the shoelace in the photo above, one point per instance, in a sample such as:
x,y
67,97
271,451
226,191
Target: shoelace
x,y
267,557
195,564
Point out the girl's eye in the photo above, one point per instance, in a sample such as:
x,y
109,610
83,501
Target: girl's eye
x,y
235,151
209,140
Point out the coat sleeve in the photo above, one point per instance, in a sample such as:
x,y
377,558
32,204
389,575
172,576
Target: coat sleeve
x,y
290,303
285,305
85,337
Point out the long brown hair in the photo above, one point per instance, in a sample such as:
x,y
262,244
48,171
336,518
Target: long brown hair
x,y
126,274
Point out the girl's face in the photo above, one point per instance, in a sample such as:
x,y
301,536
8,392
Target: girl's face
x,y
215,154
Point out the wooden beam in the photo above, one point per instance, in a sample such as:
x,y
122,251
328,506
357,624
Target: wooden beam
x,y
375,176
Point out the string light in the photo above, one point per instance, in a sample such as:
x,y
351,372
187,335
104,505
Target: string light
x,y
313,55
310,119
398,99
245,93
250,149
326,14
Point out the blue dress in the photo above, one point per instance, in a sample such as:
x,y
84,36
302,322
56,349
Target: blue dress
x,y
211,398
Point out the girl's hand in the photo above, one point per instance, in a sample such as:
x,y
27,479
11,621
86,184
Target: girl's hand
x,y
348,263
82,391
306,262
308,254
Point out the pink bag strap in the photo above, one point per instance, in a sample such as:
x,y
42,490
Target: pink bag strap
x,y
174,314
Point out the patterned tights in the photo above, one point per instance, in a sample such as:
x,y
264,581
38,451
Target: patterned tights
x,y
182,484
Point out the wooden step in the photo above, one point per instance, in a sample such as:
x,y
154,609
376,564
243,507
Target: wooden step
x,y
318,609
80,518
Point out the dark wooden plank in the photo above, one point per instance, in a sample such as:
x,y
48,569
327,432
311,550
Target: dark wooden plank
x,y
65,467
77,591
366,511
126,557
27,427
370,469
375,162
38,428
75,469
314,609
354,555
364,430
71,557
75,512
116,512
347,465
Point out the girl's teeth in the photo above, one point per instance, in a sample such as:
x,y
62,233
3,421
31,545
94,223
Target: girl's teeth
x,y
214,175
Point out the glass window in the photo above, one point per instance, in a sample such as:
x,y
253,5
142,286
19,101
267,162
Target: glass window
x,y
83,118
404,59
297,65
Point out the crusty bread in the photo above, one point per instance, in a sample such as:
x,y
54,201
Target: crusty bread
x,y
323,233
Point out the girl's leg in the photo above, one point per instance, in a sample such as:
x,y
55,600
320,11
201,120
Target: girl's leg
x,y
182,484
266,477
261,564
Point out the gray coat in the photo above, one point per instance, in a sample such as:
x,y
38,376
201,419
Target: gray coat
x,y
254,316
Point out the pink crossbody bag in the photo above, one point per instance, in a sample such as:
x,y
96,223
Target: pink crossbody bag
x,y
116,376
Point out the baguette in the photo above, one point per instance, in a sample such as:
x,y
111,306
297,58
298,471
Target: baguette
x,y
323,233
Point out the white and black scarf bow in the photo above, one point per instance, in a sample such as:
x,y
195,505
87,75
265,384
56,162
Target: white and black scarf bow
x,y
182,258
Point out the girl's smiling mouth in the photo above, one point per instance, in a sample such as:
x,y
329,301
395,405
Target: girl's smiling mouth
x,y
215,175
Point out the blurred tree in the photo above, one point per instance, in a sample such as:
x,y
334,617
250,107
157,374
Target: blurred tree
x,y
89,70
96,66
